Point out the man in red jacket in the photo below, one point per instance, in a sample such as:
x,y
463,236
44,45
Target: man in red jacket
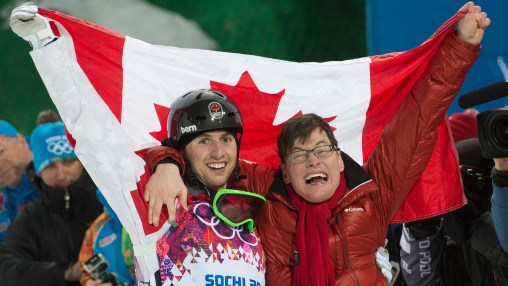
x,y
323,224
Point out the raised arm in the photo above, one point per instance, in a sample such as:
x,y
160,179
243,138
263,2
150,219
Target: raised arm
x,y
32,27
403,150
471,28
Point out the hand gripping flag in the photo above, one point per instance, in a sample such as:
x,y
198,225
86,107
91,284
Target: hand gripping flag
x,y
113,92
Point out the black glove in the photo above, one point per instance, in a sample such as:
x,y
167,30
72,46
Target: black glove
x,y
425,227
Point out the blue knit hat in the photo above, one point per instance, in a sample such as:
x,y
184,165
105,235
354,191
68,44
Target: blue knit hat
x,y
6,129
49,144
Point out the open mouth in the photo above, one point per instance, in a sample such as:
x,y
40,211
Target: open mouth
x,y
216,166
316,178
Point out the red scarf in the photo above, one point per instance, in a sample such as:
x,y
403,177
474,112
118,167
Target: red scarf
x,y
315,265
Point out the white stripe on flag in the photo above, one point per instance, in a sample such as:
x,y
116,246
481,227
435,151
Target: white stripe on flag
x,y
158,75
99,137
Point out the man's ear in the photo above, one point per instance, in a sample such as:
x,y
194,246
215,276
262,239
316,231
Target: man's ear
x,y
285,176
341,163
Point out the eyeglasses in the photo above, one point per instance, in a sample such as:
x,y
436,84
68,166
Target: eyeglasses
x,y
236,207
300,156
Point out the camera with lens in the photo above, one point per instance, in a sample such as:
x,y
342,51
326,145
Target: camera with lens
x,y
492,124
97,267
493,133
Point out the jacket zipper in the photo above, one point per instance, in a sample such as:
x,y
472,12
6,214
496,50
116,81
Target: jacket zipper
x,y
67,198
344,249
67,204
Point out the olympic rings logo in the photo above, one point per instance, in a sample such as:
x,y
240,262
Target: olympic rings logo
x,y
60,147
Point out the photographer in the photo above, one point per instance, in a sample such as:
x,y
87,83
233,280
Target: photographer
x,y
461,247
500,200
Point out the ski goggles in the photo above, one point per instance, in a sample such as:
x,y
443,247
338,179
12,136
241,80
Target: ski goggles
x,y
236,207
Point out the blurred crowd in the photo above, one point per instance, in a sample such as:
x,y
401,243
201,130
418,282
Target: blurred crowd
x,y
53,217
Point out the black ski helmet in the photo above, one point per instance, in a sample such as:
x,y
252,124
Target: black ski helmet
x,y
200,111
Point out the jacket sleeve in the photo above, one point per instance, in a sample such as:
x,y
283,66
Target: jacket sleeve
x,y
500,213
20,263
254,178
158,153
403,150
86,253
87,248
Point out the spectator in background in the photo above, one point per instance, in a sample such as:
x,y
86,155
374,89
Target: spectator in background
x,y
462,126
15,169
15,166
500,200
461,248
43,242
107,237
471,226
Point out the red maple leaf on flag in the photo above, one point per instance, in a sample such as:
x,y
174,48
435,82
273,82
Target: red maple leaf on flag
x,y
259,140
162,113
258,109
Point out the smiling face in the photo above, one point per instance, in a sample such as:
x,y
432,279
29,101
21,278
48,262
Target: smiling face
x,y
316,179
212,156
15,156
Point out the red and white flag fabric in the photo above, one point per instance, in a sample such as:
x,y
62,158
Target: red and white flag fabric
x,y
113,93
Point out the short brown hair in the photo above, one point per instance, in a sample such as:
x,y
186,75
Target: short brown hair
x,y
300,128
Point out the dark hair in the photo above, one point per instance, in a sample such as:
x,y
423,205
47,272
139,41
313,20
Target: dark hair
x,y
46,116
300,128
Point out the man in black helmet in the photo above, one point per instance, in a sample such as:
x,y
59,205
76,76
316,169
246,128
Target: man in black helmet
x,y
213,242
205,127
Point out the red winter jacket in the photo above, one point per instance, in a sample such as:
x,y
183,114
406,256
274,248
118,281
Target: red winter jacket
x,y
359,222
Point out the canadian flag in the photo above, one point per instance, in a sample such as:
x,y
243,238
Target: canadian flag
x,y
113,93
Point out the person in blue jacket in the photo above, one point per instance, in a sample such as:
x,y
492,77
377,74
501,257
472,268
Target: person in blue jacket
x,y
499,177
43,242
15,165
107,236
